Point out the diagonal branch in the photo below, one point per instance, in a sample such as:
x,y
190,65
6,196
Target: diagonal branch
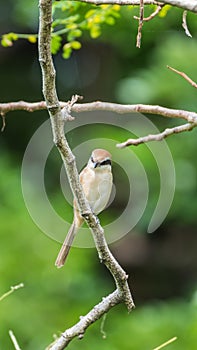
x,y
183,75
153,14
157,137
170,341
14,340
79,328
57,117
12,289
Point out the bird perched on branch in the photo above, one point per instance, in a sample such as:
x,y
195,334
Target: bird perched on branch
x,y
96,180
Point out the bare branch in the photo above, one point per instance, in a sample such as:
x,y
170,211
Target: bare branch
x,y
14,341
157,137
184,24
184,4
103,106
185,76
141,108
154,14
140,25
57,117
12,289
3,122
22,106
85,321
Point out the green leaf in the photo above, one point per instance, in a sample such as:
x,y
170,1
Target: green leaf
x,y
12,36
32,39
75,45
55,43
6,42
74,34
7,39
110,20
90,13
164,11
95,32
67,50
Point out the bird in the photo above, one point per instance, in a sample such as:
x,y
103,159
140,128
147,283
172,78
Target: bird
x,y
96,180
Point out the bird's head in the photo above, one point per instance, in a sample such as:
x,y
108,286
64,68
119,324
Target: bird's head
x,y
100,158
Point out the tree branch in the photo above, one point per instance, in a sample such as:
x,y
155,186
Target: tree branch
x,y
102,106
140,24
141,108
183,75
14,341
153,15
57,117
190,5
12,289
79,328
157,137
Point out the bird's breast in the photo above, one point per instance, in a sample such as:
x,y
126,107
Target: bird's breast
x,y
97,187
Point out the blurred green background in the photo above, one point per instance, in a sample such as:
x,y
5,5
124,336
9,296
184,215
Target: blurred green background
x,y
162,265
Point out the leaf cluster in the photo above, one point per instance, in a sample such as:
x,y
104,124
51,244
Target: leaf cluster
x,y
72,19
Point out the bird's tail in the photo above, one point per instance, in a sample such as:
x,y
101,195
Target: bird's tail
x,y
63,253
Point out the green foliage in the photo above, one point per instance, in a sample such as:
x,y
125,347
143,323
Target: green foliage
x,y
70,20
164,11
55,43
73,19
7,39
53,299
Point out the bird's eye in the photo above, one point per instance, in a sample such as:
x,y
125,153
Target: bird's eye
x,y
92,159
106,162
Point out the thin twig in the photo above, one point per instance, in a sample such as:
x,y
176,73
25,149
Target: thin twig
x,y
157,137
166,343
12,289
104,336
140,25
3,122
184,24
185,76
152,15
14,341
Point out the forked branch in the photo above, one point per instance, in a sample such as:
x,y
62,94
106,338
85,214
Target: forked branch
x,y
68,108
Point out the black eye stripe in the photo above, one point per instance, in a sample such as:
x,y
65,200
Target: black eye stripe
x,y
106,162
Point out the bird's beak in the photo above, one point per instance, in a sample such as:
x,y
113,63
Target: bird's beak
x,y
96,165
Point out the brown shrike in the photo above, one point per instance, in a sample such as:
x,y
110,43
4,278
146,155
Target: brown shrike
x,y
96,181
